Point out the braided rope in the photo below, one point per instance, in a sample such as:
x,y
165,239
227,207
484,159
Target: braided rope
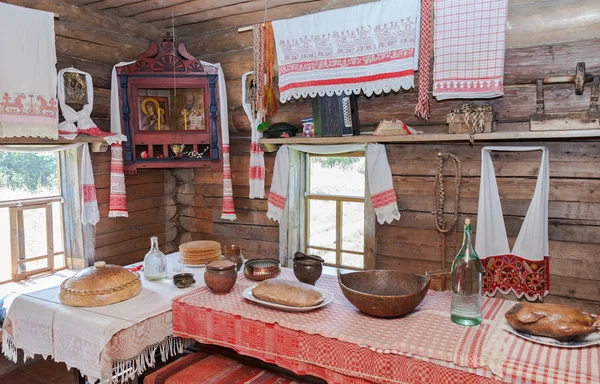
x,y
422,108
257,32
439,192
474,118
80,292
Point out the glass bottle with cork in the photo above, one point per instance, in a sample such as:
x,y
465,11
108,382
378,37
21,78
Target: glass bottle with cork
x,y
155,262
467,273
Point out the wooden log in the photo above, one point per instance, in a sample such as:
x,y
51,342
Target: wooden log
x,y
134,244
282,12
100,72
191,224
141,204
178,10
147,230
138,218
139,8
248,232
68,12
194,14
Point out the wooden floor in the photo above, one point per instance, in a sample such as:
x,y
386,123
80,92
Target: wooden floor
x,y
40,372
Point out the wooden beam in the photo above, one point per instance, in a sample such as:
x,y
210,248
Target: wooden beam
x,y
442,137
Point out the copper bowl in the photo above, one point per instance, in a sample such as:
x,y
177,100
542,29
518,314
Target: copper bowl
x,y
382,293
261,269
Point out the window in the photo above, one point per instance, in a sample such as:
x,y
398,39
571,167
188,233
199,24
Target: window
x,y
31,214
335,209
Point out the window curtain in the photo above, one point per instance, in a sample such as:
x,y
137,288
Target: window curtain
x,y
379,177
89,204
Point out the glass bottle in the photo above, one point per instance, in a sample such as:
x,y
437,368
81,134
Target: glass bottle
x,y
155,262
467,272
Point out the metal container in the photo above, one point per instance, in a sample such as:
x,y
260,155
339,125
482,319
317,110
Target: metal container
x,y
262,269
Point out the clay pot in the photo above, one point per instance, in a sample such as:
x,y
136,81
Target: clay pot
x,y
220,276
307,268
183,280
234,253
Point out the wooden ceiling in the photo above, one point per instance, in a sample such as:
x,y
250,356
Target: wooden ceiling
x,y
198,16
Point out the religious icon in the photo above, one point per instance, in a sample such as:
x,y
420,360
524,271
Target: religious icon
x,y
75,88
191,104
154,113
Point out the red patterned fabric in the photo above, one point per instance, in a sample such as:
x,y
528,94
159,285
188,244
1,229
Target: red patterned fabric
x,y
337,342
276,200
422,108
117,205
383,198
341,345
206,368
506,273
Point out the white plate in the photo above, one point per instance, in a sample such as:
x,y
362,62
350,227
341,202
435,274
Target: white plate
x,y
328,298
580,342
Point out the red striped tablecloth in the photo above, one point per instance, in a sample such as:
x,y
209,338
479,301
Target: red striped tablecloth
x,y
342,345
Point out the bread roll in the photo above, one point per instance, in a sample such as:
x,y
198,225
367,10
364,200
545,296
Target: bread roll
x,y
292,293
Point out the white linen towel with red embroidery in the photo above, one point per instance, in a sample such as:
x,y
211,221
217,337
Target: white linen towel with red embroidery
x,y
370,48
525,270
257,159
468,48
89,205
77,122
379,176
28,106
227,208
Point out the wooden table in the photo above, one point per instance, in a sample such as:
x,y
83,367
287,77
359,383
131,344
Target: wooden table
x,y
341,345
127,344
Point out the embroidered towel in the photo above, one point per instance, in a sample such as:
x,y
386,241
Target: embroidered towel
x,y
370,48
525,270
468,45
257,160
77,122
227,208
379,175
28,106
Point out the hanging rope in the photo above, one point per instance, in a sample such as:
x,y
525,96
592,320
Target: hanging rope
x,y
439,193
474,118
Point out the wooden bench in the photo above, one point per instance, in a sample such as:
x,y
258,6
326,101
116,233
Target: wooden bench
x,y
217,365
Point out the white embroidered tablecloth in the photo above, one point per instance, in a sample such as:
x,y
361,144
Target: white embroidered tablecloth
x,y
112,343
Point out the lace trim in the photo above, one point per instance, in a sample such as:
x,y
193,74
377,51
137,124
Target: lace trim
x,y
43,131
387,214
373,87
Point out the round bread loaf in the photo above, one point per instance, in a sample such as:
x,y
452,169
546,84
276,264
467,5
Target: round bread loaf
x,y
99,285
286,292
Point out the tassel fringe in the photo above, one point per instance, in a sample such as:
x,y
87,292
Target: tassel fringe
x,y
123,371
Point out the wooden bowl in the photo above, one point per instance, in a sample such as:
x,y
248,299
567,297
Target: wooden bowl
x,y
384,293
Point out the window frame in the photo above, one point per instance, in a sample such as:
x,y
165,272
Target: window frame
x,y
78,241
368,250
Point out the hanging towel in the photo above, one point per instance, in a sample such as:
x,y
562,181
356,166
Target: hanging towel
x,y
379,176
115,106
370,48
28,106
77,122
228,208
89,203
468,45
257,160
524,271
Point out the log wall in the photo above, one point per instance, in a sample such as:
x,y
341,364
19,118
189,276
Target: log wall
x,y
93,42
535,48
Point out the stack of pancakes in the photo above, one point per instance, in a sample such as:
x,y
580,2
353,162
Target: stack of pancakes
x,y
196,253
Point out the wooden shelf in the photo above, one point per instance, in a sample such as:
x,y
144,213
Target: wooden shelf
x,y
81,138
270,145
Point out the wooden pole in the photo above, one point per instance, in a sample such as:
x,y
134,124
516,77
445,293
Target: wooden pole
x,y
443,259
